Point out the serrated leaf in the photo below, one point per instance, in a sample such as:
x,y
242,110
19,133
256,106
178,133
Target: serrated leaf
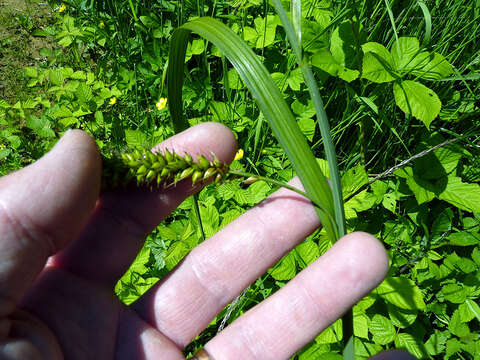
x,y
175,253
465,196
135,138
286,269
403,51
382,330
456,326
418,100
307,253
56,77
433,67
455,293
331,335
377,63
435,345
78,75
307,126
401,292
360,325
41,126
411,344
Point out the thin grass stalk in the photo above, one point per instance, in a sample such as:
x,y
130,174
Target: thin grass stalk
x,y
133,10
295,41
322,117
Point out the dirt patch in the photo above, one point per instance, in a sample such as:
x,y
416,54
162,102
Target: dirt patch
x,y
18,48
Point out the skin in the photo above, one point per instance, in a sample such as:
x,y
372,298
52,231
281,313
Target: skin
x,y
63,248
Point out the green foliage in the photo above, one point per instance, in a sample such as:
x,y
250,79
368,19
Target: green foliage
x,y
103,70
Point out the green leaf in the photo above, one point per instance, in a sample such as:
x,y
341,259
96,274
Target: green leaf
x,y
401,292
331,335
84,93
377,63
365,350
56,77
403,51
360,324
196,47
382,330
433,67
4,153
14,141
316,351
463,195
413,345
266,35
41,126
353,179
266,94
456,326
307,253
324,60
286,269
469,310
234,81
295,79
455,293
135,138
175,253
307,126
435,345
31,72
418,100
149,21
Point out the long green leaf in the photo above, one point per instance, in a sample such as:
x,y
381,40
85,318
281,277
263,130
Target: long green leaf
x,y
321,115
268,97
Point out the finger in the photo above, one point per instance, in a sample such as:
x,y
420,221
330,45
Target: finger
x,y
122,219
138,340
42,207
315,298
185,302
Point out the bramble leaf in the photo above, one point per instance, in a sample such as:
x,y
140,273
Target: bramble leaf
x,y
401,292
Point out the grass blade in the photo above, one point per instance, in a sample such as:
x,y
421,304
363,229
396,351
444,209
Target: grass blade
x,y
322,118
269,99
428,21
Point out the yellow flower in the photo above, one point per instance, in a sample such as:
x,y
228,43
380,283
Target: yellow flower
x,y
162,103
264,151
101,25
62,8
113,101
239,155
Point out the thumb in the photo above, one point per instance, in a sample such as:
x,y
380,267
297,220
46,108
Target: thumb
x,y
42,207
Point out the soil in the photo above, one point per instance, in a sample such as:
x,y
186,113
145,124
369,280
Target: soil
x,y
18,48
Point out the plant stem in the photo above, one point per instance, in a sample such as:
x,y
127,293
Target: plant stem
x,y
274,182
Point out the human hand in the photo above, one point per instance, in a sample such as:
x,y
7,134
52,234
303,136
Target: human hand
x,y
66,308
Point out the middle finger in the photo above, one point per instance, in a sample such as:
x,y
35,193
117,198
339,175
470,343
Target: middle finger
x,y
186,301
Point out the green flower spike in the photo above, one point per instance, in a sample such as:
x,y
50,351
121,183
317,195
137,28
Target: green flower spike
x,y
157,170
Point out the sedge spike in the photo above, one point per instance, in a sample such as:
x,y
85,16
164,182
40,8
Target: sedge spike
x,y
157,170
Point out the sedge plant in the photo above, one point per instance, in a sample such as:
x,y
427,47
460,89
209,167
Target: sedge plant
x,y
271,103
